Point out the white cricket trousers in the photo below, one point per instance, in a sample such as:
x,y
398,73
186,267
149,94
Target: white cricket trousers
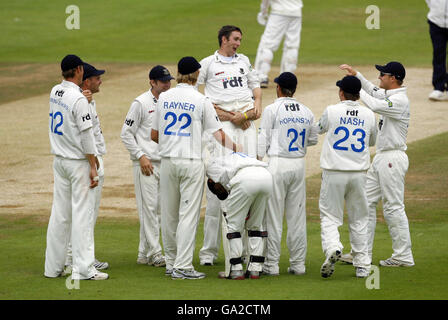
x,y
289,199
96,203
336,187
73,211
385,181
181,189
212,221
147,196
250,189
277,27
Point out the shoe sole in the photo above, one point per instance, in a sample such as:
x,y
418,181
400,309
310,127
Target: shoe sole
x,y
327,268
395,265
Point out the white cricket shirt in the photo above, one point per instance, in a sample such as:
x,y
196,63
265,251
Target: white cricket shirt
x,y
286,129
228,81
438,12
97,132
394,110
69,115
136,130
286,7
222,169
350,129
182,115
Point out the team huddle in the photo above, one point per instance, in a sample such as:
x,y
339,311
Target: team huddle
x,y
181,141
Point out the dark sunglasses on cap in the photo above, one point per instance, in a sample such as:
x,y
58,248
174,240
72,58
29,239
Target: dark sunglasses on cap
x,y
382,74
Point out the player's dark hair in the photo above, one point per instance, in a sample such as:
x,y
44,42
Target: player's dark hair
x,y
287,92
350,96
226,31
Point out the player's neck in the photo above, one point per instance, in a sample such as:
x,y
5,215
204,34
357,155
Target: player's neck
x,y
224,53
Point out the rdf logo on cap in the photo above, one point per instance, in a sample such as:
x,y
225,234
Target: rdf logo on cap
x,y
160,73
393,68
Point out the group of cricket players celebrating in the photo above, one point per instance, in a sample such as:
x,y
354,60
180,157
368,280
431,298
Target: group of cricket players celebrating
x,y
181,141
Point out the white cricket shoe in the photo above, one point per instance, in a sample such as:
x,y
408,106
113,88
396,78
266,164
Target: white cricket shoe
x,y
362,272
99,276
297,271
438,95
168,272
157,261
391,262
100,265
142,260
206,262
327,268
237,275
179,274
346,258
270,271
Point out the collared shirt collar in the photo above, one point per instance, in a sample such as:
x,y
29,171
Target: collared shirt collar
x,y
350,102
66,83
185,85
397,90
218,59
152,96
285,98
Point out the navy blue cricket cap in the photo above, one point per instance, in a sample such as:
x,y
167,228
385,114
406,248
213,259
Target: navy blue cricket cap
x,y
393,68
160,73
287,80
188,65
349,84
91,71
70,61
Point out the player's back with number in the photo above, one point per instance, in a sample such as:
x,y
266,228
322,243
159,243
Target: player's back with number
x,y
291,123
68,116
182,115
351,129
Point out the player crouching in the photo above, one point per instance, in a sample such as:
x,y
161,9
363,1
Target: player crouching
x,y
243,185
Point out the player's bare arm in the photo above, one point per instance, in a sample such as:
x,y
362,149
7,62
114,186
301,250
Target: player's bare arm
x,y
350,70
224,115
146,165
93,172
226,142
155,135
257,102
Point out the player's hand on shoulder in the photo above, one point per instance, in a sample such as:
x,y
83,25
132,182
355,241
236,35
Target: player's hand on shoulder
x,y
350,70
88,95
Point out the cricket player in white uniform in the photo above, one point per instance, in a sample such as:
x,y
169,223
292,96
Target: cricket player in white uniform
x,y
350,129
75,177
182,115
136,136
286,129
284,21
91,85
234,89
244,185
385,178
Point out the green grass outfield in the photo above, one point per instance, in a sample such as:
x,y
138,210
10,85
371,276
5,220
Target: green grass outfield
x,y
162,31
22,247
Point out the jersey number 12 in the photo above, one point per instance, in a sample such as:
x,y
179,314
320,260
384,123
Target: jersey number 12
x,y
56,117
